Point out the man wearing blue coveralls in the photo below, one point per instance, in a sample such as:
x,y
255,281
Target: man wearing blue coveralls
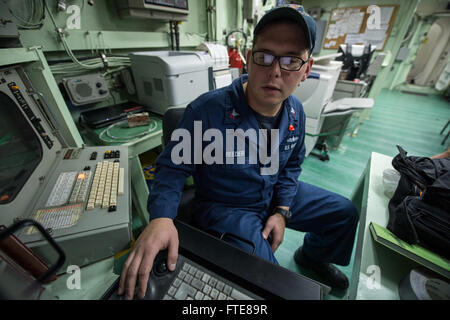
x,y
237,197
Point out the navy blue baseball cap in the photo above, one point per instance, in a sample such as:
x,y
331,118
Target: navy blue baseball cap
x,y
292,12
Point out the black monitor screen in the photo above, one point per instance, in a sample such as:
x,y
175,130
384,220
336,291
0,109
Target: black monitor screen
x,y
20,149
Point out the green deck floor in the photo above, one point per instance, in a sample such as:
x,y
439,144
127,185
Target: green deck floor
x,y
412,121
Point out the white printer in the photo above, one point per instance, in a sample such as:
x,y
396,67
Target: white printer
x,y
166,79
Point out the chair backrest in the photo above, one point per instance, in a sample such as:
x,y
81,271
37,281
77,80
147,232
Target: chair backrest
x,y
171,120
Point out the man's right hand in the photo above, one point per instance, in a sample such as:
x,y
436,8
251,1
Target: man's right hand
x,y
159,234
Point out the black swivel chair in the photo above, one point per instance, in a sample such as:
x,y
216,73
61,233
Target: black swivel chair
x,y
171,120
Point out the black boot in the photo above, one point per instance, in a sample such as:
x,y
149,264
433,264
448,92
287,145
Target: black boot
x,y
330,275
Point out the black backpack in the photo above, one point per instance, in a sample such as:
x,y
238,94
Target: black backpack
x,y
419,211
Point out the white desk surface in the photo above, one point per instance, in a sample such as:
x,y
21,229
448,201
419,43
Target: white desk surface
x,y
370,255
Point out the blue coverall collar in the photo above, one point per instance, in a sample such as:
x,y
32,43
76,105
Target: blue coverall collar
x,y
238,108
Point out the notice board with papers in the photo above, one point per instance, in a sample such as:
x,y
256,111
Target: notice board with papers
x,y
360,25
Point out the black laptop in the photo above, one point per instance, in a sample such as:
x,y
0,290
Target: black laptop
x,y
211,269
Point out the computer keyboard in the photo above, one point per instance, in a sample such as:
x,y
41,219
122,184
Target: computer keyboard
x,y
80,189
189,281
197,283
72,187
106,185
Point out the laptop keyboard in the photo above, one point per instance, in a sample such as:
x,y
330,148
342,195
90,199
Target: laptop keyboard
x,y
195,283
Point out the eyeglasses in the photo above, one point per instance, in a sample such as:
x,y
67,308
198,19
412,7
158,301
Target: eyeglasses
x,y
288,63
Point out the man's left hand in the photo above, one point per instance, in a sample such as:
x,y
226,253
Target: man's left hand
x,y
275,225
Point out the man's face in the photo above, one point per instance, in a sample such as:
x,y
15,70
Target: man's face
x,y
270,86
